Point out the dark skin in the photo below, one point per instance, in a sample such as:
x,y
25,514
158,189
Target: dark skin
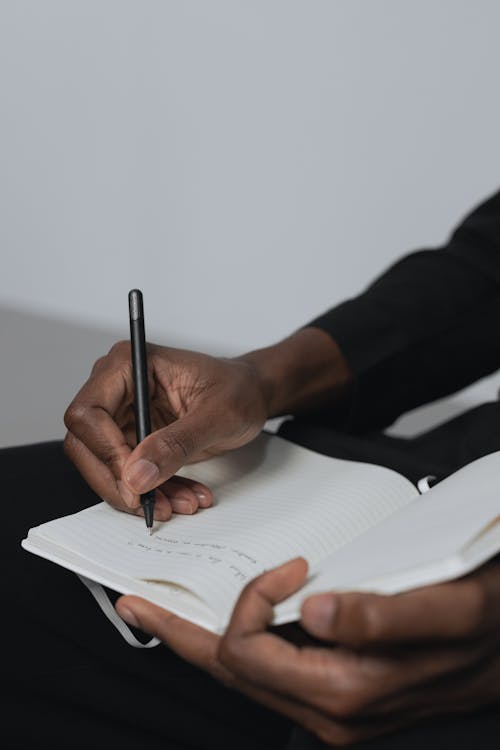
x,y
200,406
358,664
374,666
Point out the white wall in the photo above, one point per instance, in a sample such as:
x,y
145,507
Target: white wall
x,y
247,164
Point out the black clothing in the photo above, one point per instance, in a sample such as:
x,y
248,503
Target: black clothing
x,y
427,327
422,330
74,682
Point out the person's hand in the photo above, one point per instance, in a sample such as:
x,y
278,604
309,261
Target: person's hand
x,y
374,663
200,406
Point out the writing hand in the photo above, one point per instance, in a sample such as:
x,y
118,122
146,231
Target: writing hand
x,y
200,406
375,663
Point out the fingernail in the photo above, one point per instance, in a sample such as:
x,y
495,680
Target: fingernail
x,y
126,494
129,617
182,506
203,498
142,474
322,610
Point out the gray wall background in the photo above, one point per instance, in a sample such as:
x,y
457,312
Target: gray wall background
x,y
246,163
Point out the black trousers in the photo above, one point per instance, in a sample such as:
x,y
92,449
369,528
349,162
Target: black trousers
x,y
71,680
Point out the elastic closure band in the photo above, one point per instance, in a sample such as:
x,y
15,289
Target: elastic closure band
x,y
103,601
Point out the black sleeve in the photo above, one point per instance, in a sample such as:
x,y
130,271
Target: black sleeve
x,y
429,326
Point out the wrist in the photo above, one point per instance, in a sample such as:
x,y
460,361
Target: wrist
x,y
301,373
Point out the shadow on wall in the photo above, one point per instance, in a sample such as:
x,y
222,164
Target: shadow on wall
x,y
44,363
46,360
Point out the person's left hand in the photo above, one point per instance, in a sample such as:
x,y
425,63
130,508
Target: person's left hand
x,y
373,663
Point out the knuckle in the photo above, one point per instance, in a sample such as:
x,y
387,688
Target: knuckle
x,y
68,445
113,361
251,587
231,653
120,349
349,704
346,690
334,734
98,364
74,416
228,651
373,620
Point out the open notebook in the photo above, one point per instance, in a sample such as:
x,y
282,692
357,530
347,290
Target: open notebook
x,y
360,526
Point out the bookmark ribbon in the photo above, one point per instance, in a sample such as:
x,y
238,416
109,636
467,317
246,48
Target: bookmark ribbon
x,y
104,602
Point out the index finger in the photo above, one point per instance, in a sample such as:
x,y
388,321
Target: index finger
x,y
200,647
190,641
91,417
263,658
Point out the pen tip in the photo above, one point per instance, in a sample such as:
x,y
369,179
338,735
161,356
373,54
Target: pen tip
x,y
150,530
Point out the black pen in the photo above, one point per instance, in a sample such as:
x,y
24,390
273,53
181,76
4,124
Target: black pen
x,y
141,390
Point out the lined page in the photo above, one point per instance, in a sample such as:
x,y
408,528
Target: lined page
x,y
273,500
430,541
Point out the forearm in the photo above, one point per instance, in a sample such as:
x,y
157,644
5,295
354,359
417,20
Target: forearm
x,y
400,343
302,373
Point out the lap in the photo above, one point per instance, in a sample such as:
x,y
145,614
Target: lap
x,y
74,680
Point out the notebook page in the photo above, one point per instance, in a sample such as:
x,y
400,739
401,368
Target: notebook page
x,y
178,600
424,543
273,501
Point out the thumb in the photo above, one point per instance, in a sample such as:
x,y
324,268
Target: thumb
x,y
463,608
161,454
354,619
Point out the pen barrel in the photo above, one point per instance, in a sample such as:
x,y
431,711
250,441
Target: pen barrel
x,y
148,504
140,374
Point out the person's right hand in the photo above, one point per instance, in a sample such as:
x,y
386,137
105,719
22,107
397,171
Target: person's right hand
x,y
200,406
